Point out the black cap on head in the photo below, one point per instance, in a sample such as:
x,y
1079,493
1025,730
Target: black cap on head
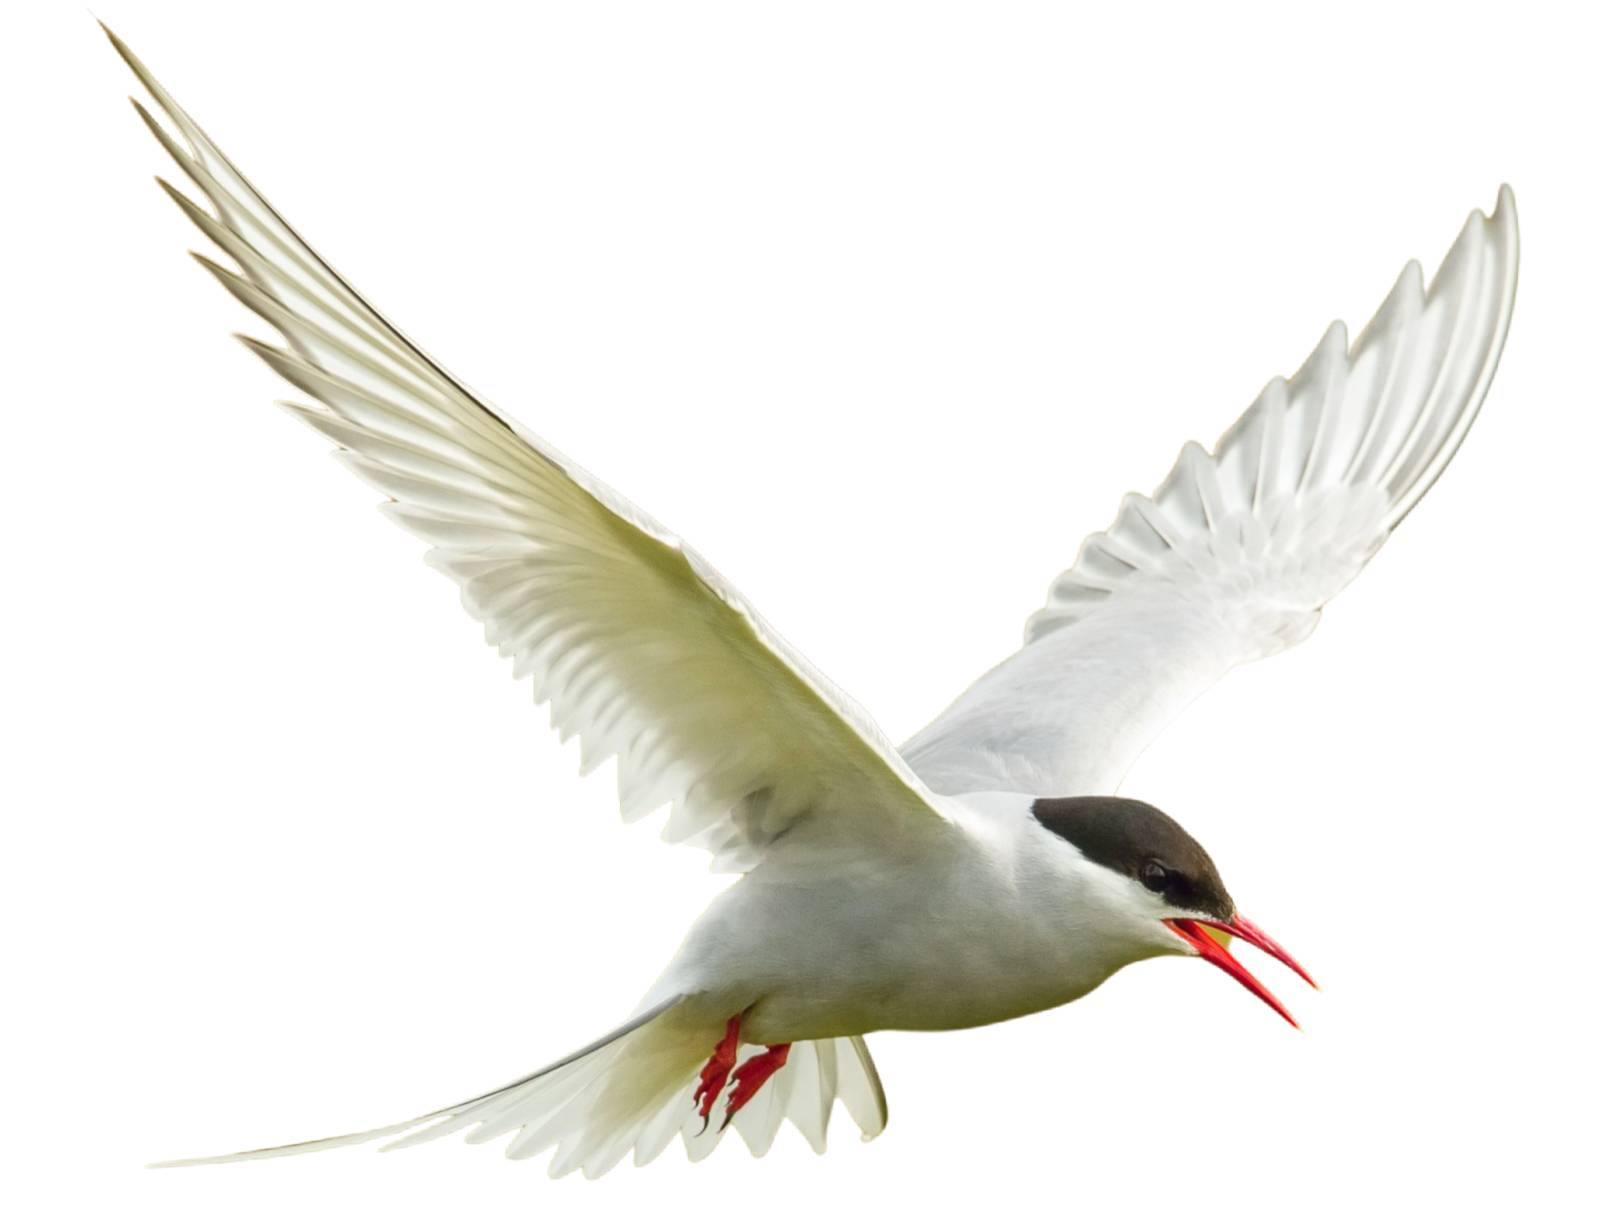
x,y
1143,843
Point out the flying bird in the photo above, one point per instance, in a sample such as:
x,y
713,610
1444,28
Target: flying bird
x,y
985,869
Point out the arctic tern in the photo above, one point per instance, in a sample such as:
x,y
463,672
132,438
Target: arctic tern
x,y
981,871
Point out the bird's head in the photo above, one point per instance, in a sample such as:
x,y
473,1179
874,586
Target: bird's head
x,y
1160,887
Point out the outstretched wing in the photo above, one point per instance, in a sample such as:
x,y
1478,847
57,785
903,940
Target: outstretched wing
x,y
1233,556
638,645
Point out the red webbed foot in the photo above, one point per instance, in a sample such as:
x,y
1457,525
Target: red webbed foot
x,y
714,1074
752,1075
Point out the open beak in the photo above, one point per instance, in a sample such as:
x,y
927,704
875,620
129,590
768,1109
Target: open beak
x,y
1196,933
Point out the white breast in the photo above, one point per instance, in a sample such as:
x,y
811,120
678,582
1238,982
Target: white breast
x,y
999,923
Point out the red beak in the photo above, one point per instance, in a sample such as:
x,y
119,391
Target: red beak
x,y
1195,932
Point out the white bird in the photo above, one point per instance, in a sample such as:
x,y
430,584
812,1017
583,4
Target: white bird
x,y
980,872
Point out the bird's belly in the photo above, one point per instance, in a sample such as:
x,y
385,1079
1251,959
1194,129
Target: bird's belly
x,y
839,958
919,999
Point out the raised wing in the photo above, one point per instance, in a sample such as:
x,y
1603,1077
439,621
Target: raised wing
x,y
639,647
1233,556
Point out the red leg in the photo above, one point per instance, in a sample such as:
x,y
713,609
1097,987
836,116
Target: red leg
x,y
752,1075
714,1074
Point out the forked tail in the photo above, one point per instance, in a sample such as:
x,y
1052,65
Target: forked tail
x,y
633,1091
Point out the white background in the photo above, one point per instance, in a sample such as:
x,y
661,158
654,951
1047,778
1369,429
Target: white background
x,y
883,306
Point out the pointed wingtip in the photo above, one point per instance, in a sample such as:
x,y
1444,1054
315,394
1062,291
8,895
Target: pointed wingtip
x,y
1502,214
1504,210
149,82
118,44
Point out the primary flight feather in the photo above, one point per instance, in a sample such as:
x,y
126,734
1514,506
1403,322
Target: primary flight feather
x,y
982,871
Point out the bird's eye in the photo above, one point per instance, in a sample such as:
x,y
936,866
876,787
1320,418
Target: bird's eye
x,y
1155,877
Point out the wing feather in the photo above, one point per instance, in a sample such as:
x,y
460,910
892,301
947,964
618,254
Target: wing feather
x,y
638,646
1235,553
